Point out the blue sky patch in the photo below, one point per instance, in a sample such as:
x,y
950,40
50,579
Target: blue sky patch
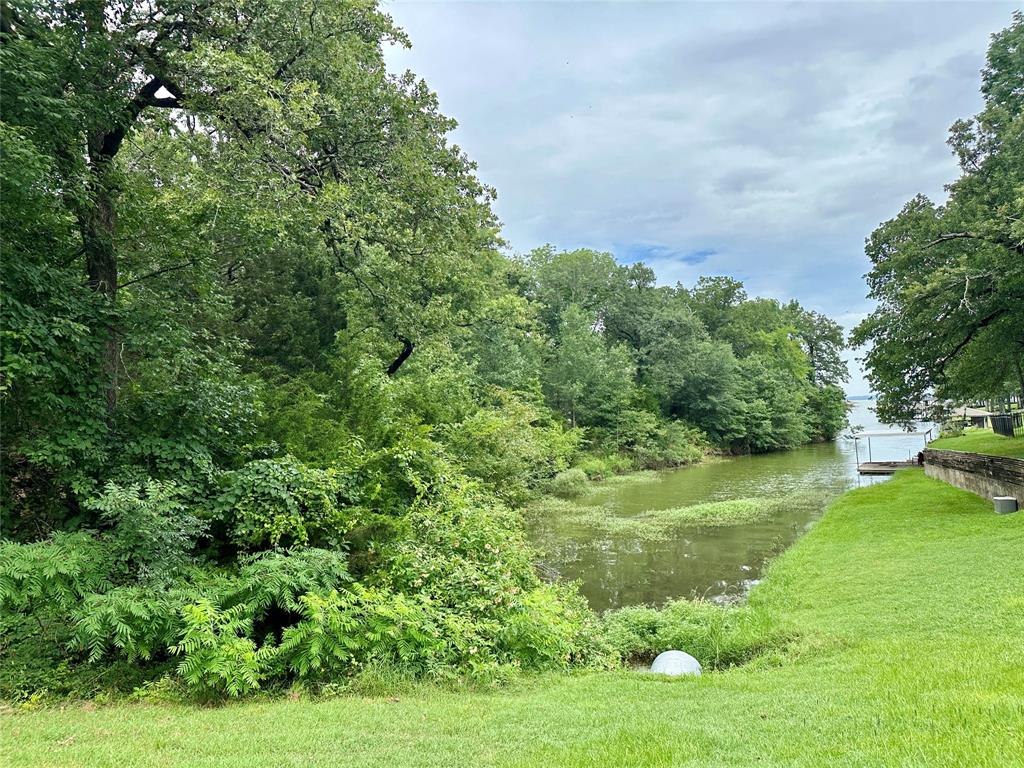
x,y
648,252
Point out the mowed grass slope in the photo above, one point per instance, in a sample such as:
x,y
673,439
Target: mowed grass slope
x,y
982,441
908,598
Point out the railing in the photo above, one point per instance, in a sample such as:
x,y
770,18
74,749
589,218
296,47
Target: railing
x,y
1008,424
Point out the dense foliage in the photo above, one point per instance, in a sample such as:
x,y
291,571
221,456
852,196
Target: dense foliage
x,y
271,390
626,357
949,278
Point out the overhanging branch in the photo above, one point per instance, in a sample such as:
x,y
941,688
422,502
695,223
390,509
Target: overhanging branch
x,y
985,321
952,236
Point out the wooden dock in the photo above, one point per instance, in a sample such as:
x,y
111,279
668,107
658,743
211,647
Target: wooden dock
x,y
883,467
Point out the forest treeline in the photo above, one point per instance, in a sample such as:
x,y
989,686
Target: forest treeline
x,y
271,387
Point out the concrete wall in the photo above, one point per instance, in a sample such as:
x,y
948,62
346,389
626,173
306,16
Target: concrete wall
x,y
986,476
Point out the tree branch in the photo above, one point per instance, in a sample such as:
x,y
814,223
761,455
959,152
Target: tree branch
x,y
952,236
407,350
1002,242
165,102
147,97
109,143
986,321
155,272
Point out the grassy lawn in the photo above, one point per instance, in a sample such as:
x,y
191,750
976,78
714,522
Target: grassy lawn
x,y
908,596
976,440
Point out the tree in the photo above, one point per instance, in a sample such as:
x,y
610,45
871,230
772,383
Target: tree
x,y
773,409
586,379
267,381
582,278
949,279
226,189
248,284
294,106
706,389
826,412
690,350
714,299
822,341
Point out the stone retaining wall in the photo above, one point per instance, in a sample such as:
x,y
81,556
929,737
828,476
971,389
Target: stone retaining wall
x,y
987,476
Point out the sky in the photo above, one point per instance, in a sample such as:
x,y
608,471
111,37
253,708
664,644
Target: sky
x,y
759,140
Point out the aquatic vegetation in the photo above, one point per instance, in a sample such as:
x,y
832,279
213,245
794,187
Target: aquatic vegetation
x,y
633,478
662,523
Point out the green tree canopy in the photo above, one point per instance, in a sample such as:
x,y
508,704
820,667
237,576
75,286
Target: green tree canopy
x,y
949,279
269,385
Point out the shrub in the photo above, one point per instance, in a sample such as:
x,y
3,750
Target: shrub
x,y
280,579
36,665
132,621
341,631
545,629
511,446
279,503
951,428
57,572
466,557
463,550
682,444
601,467
635,432
455,594
717,636
153,532
219,655
137,622
653,442
569,484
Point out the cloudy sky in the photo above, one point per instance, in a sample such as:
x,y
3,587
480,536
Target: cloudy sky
x,y
759,140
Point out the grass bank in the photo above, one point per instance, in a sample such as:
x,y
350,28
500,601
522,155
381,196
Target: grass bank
x,y
909,597
975,440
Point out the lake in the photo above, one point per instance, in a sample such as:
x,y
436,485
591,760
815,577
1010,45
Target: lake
x,y
717,563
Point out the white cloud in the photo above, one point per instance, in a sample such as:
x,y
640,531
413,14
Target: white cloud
x,y
775,135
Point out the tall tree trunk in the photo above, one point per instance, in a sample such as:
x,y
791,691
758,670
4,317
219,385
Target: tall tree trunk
x,y
97,221
97,217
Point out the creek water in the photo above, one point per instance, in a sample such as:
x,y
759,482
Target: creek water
x,y
717,563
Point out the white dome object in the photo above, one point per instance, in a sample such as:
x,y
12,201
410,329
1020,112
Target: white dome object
x,y
675,663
